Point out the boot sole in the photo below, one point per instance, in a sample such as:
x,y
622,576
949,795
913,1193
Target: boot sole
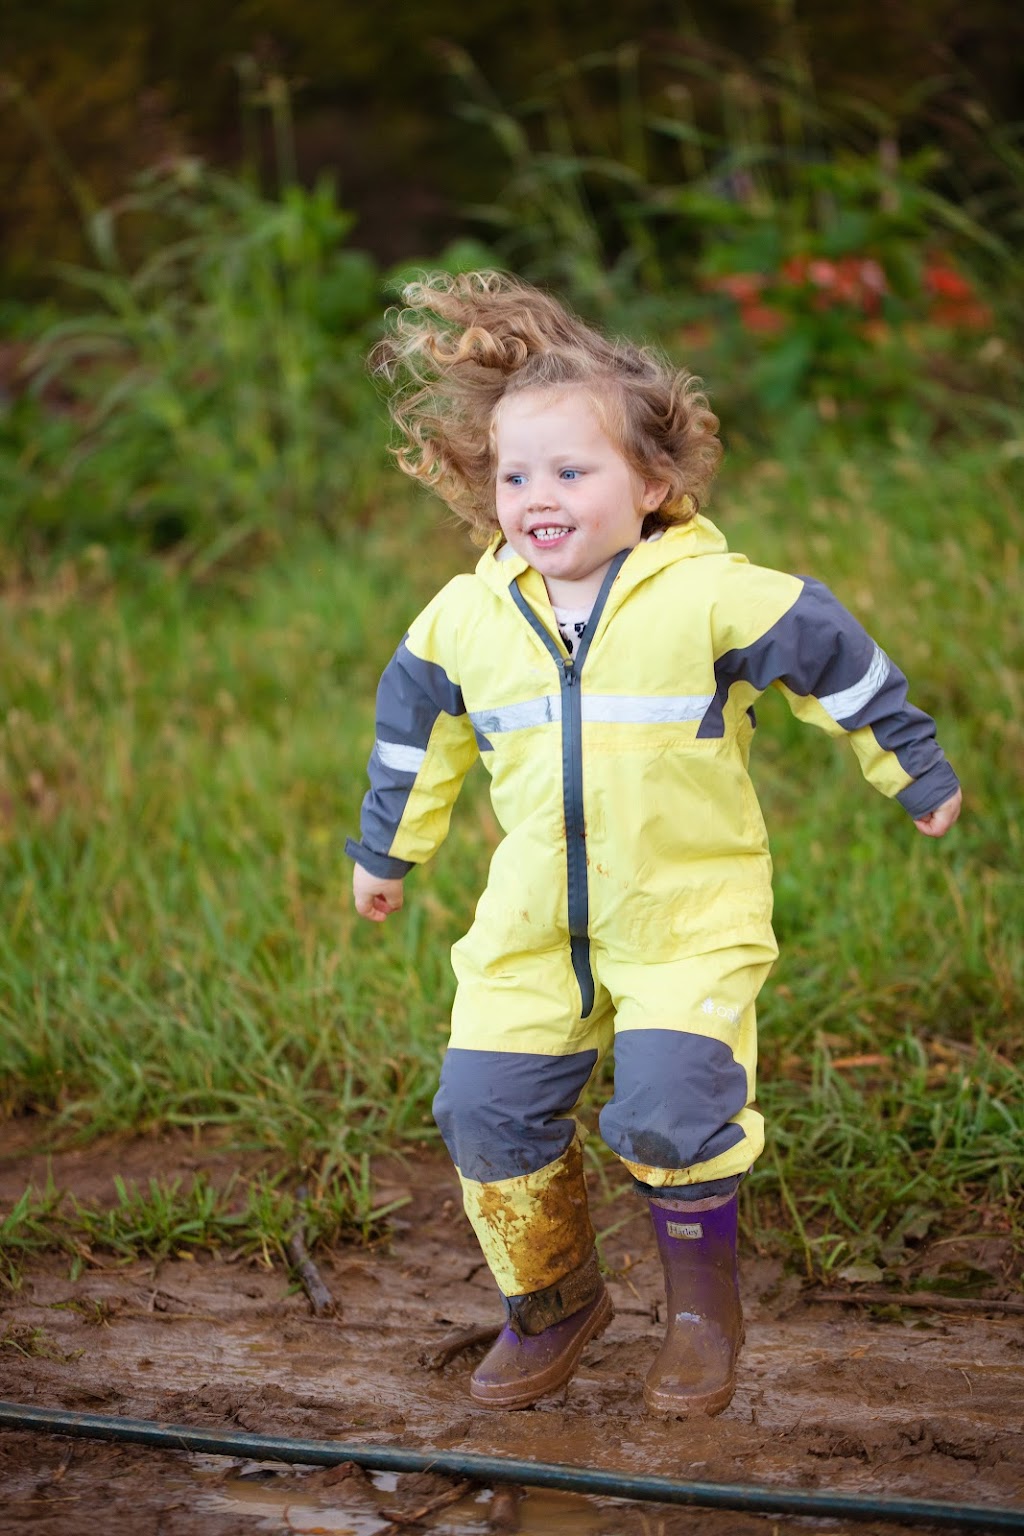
x,y
689,1407
522,1393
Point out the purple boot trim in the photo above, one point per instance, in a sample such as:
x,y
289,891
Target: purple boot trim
x,y
519,1368
695,1371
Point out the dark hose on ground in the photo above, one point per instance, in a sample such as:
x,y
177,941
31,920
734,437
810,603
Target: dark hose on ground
x,y
491,1470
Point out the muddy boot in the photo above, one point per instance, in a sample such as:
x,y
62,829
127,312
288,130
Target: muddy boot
x,y
695,1371
542,1340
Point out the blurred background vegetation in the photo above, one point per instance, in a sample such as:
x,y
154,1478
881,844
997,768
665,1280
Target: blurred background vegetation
x,y
126,82
205,559
204,217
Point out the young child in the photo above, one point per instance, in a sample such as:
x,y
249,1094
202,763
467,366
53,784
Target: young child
x,y
603,662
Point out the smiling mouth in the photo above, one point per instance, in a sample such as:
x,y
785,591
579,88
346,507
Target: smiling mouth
x,y
548,535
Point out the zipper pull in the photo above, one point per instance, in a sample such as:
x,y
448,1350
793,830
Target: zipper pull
x,y
570,673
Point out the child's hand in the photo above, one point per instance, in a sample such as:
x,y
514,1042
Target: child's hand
x,y
375,897
938,822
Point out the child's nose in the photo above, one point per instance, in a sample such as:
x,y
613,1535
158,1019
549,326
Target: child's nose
x,y
543,493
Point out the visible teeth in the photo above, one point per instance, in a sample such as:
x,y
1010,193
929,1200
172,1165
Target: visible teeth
x,y
549,533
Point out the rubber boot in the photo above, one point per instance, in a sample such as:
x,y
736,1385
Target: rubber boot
x,y
544,1336
695,1371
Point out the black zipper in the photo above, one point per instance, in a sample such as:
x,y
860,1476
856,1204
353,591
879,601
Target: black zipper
x,y
569,669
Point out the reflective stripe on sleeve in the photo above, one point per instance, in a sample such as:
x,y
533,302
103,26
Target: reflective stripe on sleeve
x,y
849,701
403,759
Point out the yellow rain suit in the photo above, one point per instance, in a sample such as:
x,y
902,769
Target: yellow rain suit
x,y
629,903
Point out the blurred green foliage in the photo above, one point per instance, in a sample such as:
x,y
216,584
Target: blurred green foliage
x,y
211,399
215,392
202,388
128,81
816,274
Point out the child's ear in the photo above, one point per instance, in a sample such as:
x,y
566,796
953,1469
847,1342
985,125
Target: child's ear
x,y
655,492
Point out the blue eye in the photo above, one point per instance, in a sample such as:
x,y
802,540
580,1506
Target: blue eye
x,y
515,479
570,474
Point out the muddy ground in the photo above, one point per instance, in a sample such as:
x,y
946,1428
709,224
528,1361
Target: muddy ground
x,y
925,1404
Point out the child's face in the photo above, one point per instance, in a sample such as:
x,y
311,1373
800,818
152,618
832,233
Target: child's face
x,y
567,500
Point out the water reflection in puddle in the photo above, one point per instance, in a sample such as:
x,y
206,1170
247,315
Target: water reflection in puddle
x,y
275,1500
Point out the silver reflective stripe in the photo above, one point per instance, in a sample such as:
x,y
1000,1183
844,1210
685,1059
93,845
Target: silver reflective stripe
x,y
404,759
846,703
600,708
644,709
517,717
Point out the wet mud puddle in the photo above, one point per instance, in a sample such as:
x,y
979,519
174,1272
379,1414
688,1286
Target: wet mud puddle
x,y
274,1498
921,1405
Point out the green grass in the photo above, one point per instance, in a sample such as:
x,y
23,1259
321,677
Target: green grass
x,y
179,768
181,774
181,1218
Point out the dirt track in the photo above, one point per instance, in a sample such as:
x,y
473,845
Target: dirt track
x,y
927,1405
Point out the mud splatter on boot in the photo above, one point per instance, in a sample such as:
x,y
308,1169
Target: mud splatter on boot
x,y
695,1371
544,1336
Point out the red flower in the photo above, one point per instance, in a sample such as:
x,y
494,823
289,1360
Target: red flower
x,y
762,319
856,280
944,282
822,273
744,287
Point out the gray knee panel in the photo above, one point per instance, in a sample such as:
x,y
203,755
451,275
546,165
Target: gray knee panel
x,y
505,1113
675,1095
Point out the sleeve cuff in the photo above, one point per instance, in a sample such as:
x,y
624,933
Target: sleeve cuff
x,y
380,864
930,791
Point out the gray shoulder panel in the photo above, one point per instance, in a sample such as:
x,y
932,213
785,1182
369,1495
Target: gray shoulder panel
x,y
412,693
816,648
410,696
819,650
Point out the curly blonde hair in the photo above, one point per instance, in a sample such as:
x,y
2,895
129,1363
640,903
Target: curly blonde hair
x,y
463,344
